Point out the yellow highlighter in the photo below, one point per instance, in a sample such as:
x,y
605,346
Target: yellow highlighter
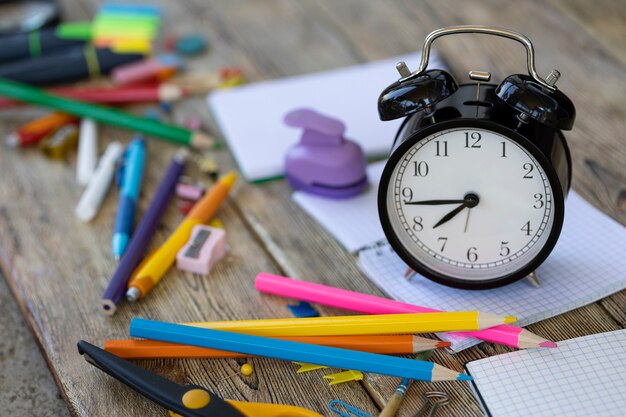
x,y
376,324
153,268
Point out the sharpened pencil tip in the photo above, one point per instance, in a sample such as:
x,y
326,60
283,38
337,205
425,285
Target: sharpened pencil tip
x,y
548,344
443,344
510,319
12,140
463,377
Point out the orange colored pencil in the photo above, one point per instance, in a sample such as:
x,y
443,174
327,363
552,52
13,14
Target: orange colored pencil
x,y
152,349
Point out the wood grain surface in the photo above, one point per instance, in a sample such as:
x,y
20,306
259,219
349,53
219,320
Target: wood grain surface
x,y
58,267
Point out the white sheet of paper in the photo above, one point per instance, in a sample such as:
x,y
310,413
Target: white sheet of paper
x,y
352,221
582,377
251,116
587,264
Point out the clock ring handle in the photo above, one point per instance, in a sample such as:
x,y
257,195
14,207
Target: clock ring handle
x,y
488,30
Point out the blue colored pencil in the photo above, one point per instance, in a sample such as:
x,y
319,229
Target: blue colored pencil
x,y
293,351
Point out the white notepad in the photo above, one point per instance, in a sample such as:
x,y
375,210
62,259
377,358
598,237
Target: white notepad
x,y
583,377
251,116
352,221
587,264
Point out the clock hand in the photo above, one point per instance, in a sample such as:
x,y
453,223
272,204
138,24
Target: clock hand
x,y
433,202
471,200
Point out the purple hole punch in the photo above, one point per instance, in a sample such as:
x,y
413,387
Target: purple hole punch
x,y
324,162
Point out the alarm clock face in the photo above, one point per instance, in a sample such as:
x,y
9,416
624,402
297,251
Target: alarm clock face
x,y
470,204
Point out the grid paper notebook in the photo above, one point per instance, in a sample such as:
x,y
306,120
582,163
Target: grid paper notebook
x,y
583,377
587,264
352,221
251,116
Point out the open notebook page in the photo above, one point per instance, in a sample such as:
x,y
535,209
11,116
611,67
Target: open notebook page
x,y
588,263
352,221
251,116
582,377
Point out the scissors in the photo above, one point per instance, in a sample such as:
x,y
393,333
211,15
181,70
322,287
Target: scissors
x,y
182,400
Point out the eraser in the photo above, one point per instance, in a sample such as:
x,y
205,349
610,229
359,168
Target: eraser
x,y
206,246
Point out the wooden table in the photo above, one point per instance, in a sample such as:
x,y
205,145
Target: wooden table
x,y
57,267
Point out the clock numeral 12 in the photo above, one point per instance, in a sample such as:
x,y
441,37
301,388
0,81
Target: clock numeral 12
x,y
420,169
475,136
445,148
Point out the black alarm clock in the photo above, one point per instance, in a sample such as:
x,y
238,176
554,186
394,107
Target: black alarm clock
x,y
473,193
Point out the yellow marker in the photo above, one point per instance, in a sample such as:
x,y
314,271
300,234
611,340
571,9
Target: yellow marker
x,y
345,376
154,267
362,325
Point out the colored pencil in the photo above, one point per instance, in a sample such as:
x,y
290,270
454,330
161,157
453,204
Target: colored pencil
x,y
378,324
369,304
389,345
106,115
34,131
115,95
294,351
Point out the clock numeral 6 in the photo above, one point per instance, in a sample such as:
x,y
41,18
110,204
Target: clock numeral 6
x,y
417,223
504,249
529,168
538,201
408,194
420,169
526,228
445,240
475,136
472,256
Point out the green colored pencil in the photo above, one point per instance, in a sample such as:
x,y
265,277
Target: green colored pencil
x,y
107,115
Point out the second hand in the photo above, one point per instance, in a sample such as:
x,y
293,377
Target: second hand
x,y
467,219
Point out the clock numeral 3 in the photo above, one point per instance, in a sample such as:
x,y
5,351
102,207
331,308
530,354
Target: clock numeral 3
x,y
529,168
408,194
504,249
417,223
526,228
444,148
420,169
445,240
475,136
472,256
538,201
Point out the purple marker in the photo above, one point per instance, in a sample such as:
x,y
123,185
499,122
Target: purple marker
x,y
138,243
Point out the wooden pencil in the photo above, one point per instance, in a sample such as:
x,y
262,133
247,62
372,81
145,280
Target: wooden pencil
x,y
390,345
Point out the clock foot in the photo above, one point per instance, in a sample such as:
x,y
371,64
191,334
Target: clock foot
x,y
534,280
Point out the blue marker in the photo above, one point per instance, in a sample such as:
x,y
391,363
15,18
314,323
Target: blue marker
x,y
134,162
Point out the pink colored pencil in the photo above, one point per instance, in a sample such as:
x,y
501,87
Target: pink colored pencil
x,y
370,304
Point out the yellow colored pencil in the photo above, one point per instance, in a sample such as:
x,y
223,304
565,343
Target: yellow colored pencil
x,y
362,325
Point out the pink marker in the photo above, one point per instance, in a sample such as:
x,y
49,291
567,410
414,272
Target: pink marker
x,y
370,304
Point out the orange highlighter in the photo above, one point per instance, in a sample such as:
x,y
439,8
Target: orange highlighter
x,y
154,267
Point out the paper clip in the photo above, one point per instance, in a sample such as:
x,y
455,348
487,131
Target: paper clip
x,y
443,400
350,410
345,376
307,367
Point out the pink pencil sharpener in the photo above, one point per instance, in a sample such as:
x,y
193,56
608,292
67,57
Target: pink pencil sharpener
x,y
206,246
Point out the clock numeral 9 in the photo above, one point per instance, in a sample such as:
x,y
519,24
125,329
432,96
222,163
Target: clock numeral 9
x,y
408,194
529,168
526,228
445,148
445,240
417,223
475,136
472,256
504,249
420,169
538,201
